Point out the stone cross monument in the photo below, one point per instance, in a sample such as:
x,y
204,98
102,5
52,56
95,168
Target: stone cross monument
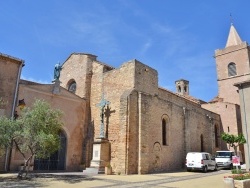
x,y
101,145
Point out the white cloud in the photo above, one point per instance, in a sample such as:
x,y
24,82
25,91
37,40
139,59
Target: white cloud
x,y
145,47
35,80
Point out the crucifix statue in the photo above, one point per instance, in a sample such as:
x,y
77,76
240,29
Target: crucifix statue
x,y
102,105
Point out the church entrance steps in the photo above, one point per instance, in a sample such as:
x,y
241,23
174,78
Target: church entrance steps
x,y
93,171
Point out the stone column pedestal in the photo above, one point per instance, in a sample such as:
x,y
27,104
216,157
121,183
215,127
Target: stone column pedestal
x,y
56,87
101,154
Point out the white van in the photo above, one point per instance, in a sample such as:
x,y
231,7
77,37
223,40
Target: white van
x,y
200,161
224,159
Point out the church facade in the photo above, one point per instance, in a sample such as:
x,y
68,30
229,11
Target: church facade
x,y
123,118
149,128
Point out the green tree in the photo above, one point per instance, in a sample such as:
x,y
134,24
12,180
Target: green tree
x,y
3,122
34,133
233,140
7,129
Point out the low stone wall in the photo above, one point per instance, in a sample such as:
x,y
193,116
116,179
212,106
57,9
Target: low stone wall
x,y
242,183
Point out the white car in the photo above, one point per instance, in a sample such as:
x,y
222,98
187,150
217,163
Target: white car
x,y
200,161
224,159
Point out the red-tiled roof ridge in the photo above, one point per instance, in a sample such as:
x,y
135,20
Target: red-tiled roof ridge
x,y
188,97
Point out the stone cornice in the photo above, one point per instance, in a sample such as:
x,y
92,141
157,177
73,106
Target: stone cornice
x,y
11,58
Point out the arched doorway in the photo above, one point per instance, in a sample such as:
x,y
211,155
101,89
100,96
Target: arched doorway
x,y
57,160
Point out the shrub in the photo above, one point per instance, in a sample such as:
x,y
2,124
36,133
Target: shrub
x,y
237,171
239,176
108,165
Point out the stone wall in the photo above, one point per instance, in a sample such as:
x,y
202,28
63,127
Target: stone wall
x,y
10,69
135,126
129,119
133,118
184,130
112,84
230,118
78,67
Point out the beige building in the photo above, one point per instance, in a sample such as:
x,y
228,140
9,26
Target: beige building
x,y
122,117
244,92
233,66
69,156
14,91
10,72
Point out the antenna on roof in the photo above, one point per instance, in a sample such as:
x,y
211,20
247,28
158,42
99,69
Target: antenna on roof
x,y
231,19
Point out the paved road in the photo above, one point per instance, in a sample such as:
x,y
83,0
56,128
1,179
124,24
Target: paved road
x,y
79,180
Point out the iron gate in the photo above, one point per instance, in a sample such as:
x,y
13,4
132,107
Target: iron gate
x,y
56,161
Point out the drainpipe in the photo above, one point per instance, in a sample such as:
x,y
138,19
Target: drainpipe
x,y
185,133
212,135
127,135
16,89
140,133
7,152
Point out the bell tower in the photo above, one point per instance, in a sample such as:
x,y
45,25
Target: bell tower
x,y
182,87
233,66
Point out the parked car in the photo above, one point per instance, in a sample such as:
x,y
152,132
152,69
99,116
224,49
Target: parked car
x,y
200,161
224,159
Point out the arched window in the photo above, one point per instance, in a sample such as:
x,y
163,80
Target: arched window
x,y
216,136
185,89
232,69
72,86
165,131
179,89
202,143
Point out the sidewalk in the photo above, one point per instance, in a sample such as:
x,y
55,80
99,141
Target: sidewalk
x,y
78,180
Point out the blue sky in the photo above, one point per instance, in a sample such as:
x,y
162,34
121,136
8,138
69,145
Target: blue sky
x,y
176,37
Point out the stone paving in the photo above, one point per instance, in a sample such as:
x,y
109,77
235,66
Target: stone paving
x,y
79,180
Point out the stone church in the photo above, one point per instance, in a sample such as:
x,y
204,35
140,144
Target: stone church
x,y
123,118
